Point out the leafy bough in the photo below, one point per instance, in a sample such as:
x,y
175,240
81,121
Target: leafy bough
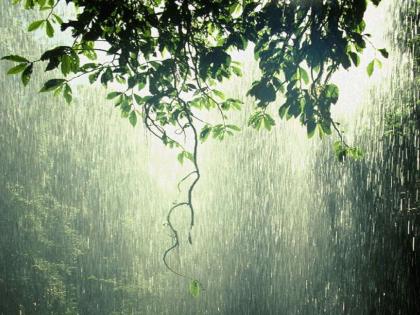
x,y
168,57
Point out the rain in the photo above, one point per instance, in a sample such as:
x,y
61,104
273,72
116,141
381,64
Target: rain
x,y
281,225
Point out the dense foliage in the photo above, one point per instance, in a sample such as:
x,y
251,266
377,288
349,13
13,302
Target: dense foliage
x,y
58,253
167,57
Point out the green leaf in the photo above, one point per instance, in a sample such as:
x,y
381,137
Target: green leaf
x,y
304,75
310,128
15,58
282,111
233,8
17,69
219,94
184,155
190,86
107,76
180,157
233,127
218,132
49,29
29,4
125,106
237,71
231,103
52,84
359,42
325,125
35,25
205,132
268,122
26,74
378,63
67,93
94,76
265,92
370,67
384,52
345,61
58,19
112,95
255,120
188,156
195,288
340,150
332,93
133,118
141,84
58,90
65,65
355,153
139,99
120,79
361,27
355,58
131,82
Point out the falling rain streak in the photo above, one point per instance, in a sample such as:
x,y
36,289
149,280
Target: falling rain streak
x,y
282,227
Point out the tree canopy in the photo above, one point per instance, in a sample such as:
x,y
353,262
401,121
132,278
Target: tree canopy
x,y
168,57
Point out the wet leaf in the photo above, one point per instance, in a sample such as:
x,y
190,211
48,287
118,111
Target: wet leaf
x,y
268,122
205,132
113,95
195,288
26,74
304,75
370,67
35,25
310,128
49,29
52,85
384,52
133,118
15,58
332,93
67,93
355,58
17,69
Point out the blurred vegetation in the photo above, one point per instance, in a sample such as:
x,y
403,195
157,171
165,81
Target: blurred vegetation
x,y
57,253
382,247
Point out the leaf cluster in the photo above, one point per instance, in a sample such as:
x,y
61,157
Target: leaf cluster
x,y
173,49
343,151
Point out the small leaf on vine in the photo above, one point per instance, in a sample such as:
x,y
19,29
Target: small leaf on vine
x,y
35,25
26,74
195,288
15,58
370,67
17,69
133,118
384,52
49,29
